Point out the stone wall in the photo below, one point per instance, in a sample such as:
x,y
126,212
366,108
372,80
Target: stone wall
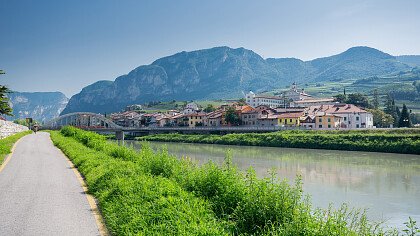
x,y
8,128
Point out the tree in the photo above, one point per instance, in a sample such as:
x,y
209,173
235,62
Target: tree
x,y
242,102
358,99
5,108
209,108
341,98
231,117
375,101
389,108
404,118
381,119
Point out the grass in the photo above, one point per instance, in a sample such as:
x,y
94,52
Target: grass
x,y
153,193
392,141
7,143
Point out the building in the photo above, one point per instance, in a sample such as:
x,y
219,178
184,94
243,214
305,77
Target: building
x,y
134,107
325,120
308,122
190,108
258,100
197,119
268,120
352,116
291,119
215,118
313,102
249,118
127,119
295,95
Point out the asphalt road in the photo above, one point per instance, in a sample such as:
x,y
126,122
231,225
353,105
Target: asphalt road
x,y
40,194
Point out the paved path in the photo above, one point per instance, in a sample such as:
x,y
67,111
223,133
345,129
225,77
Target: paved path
x,y
40,194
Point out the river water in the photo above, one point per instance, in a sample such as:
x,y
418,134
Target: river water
x,y
387,185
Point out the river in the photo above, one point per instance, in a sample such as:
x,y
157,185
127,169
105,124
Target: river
x,y
386,184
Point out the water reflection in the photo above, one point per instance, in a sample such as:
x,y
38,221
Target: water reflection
x,y
387,184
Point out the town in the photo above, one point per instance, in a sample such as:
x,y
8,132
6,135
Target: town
x,y
292,109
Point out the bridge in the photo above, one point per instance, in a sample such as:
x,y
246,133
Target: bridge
x,y
101,124
83,120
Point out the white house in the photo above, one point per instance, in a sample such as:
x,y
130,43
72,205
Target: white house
x,y
353,117
190,108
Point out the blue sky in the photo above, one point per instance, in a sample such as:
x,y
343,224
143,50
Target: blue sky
x,y
66,45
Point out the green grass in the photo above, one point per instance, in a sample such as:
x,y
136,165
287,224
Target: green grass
x,y
7,143
393,141
153,193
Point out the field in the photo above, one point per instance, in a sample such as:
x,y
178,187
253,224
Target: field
x,y
393,141
153,193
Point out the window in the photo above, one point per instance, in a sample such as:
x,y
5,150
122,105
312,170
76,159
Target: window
x,y
329,120
357,126
345,118
329,126
191,122
320,120
320,126
290,120
357,118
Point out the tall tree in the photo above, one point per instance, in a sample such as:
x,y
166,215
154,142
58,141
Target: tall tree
x,y
5,108
375,101
404,118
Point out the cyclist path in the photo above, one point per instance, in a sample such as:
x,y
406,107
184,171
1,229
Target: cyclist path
x,y
40,193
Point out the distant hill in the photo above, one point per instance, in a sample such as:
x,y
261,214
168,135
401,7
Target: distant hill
x,y
224,72
413,60
41,106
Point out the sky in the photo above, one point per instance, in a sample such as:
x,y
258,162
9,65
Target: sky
x,y
67,45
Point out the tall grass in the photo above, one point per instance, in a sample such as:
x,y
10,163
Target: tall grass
x,y
6,144
365,140
148,193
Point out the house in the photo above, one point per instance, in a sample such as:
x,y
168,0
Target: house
x,y
134,107
325,120
163,120
249,118
308,122
127,119
190,108
269,119
352,116
180,120
215,118
197,119
290,119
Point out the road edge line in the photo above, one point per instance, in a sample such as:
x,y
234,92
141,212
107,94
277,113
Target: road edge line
x,y
9,156
93,203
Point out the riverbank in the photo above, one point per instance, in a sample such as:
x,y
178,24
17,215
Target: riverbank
x,y
6,144
154,193
405,141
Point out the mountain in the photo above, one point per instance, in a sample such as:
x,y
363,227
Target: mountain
x,y
220,72
356,62
224,72
413,60
41,106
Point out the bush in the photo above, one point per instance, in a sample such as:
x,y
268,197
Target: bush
x,y
150,193
395,141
